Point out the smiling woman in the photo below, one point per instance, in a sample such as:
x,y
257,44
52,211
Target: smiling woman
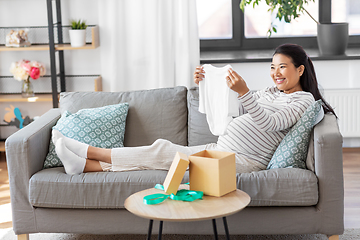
x,y
285,75
307,75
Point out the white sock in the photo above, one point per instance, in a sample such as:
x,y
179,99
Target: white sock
x,y
76,147
73,164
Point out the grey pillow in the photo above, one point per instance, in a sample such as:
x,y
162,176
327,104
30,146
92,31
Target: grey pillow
x,y
153,114
198,128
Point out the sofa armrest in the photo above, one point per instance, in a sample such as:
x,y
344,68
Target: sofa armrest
x,y
329,170
26,151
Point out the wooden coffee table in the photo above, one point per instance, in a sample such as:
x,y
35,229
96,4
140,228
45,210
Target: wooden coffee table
x,y
179,211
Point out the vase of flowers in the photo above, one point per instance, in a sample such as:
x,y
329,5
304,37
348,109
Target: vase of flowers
x,y
23,70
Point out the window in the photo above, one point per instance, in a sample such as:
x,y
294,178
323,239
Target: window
x,y
214,19
223,26
258,21
347,11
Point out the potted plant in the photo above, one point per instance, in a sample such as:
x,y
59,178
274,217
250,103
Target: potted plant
x,y
77,33
332,38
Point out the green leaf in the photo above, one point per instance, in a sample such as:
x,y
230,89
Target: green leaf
x,y
242,5
269,33
287,19
78,24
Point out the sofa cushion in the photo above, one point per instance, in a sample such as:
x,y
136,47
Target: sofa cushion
x,y
280,187
99,127
293,149
153,114
198,128
54,189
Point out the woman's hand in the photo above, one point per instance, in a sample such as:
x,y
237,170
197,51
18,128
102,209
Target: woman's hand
x,y
199,74
236,83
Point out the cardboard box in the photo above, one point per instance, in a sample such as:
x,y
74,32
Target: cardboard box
x,y
212,172
176,173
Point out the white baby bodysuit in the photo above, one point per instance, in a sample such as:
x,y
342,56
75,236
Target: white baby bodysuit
x,y
216,99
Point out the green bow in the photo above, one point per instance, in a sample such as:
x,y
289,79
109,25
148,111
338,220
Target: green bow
x,y
181,195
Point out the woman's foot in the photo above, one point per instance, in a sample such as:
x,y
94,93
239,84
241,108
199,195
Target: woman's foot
x,y
76,147
73,164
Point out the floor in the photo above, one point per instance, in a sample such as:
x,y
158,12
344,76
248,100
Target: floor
x,y
5,207
351,158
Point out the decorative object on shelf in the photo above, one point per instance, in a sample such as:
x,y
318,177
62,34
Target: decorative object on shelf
x,y
77,33
14,117
332,38
23,70
17,39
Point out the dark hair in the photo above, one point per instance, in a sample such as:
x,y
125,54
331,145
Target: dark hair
x,y
308,79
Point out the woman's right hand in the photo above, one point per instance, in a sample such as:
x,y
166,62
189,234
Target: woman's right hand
x,y
199,74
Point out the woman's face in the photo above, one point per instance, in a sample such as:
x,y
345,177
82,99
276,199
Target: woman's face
x,y
285,75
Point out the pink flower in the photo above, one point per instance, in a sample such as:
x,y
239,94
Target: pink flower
x,y
36,64
34,73
26,67
22,61
39,66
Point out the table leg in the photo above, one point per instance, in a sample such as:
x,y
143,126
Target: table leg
x,y
226,229
150,229
160,230
215,230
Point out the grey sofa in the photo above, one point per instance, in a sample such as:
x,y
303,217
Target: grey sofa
x,y
283,201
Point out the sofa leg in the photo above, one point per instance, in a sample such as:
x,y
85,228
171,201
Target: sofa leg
x,y
23,237
334,237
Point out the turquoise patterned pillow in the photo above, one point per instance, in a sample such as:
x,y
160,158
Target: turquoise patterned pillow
x,y
99,127
292,151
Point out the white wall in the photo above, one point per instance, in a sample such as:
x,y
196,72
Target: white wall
x,y
331,74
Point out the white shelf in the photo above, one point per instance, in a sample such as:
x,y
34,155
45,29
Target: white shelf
x,y
94,44
18,98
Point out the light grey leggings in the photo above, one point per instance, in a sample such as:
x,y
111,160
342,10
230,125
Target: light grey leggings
x,y
160,155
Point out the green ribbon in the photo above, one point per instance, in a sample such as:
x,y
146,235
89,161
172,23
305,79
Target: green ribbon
x,y
181,195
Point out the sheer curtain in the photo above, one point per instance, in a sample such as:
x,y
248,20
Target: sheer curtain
x,y
147,44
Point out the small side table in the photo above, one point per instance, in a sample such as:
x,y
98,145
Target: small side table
x,y
179,211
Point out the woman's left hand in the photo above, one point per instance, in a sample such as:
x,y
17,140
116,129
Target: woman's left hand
x,y
236,83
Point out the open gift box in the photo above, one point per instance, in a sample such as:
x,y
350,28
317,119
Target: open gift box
x,y
212,172
176,173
